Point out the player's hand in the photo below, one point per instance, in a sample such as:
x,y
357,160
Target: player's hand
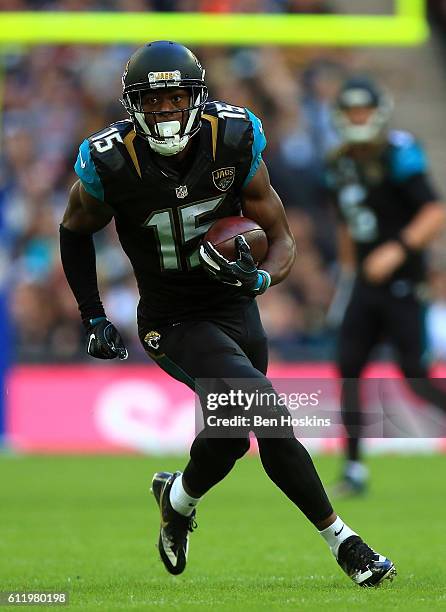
x,y
104,340
241,273
381,263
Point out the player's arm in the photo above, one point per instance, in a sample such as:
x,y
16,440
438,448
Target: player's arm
x,y
425,227
84,213
427,223
84,216
262,204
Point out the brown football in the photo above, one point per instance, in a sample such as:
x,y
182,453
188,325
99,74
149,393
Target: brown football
x,y
223,232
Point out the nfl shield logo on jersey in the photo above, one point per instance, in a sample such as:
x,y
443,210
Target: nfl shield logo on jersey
x,y
181,191
223,178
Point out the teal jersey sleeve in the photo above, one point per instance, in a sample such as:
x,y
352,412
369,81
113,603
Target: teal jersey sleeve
x,y
258,144
407,159
87,173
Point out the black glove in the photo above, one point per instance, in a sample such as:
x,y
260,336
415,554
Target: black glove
x,y
241,273
104,341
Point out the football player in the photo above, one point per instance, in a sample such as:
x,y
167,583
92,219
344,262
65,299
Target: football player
x,y
159,175
388,214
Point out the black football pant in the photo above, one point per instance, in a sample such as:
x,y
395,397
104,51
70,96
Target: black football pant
x,y
235,348
373,314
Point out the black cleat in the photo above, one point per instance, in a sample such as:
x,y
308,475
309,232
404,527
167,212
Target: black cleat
x,y
173,542
364,566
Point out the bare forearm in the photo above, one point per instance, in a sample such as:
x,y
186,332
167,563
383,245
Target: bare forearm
x,y
381,263
262,204
426,225
280,259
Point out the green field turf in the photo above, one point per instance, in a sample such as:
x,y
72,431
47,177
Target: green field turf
x,y
88,525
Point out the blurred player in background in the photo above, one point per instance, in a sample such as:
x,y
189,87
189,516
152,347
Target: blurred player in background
x,y
388,213
158,174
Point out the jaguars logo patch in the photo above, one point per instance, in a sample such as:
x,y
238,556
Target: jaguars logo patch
x,y
152,339
223,178
181,191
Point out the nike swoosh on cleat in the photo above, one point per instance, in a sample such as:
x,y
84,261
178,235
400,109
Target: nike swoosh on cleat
x,y
168,550
338,532
361,576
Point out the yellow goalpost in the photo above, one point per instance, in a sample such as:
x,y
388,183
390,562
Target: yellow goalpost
x,y
406,26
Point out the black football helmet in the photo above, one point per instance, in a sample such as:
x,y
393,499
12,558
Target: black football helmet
x,y
162,64
361,92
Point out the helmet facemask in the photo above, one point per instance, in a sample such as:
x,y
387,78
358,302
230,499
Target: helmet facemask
x,y
374,128
166,137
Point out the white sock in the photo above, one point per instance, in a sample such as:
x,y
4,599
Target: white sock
x,y
356,471
182,502
336,534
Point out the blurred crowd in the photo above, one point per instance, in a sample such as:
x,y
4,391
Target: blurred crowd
x,y
54,97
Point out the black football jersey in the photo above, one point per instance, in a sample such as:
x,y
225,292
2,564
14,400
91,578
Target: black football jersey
x,y
377,198
162,208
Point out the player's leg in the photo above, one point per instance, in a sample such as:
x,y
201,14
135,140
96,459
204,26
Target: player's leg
x,y
285,459
291,468
406,328
359,333
190,351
